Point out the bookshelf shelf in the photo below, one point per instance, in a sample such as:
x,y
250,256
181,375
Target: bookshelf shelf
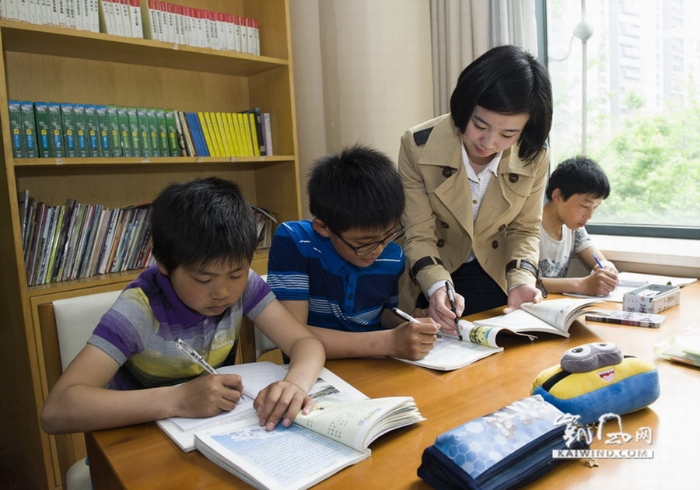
x,y
53,64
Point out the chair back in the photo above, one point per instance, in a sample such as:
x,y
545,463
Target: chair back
x,y
76,318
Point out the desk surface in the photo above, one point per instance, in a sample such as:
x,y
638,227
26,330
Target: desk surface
x,y
143,457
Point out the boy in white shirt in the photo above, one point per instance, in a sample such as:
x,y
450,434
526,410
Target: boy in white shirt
x,y
575,190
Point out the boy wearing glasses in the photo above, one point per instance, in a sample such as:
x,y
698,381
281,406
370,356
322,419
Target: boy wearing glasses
x,y
339,272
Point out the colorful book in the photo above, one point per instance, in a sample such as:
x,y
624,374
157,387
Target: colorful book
x,y
144,131
153,132
56,130
204,120
113,128
171,128
81,136
68,123
267,133
134,131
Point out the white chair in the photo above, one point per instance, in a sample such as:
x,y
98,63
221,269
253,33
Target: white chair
x,y
68,323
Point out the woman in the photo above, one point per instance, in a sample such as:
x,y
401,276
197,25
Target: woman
x,y
474,182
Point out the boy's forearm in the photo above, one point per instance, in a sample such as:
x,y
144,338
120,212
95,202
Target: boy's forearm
x,y
82,408
342,345
562,284
307,358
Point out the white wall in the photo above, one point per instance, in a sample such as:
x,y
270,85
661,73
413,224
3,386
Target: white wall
x,y
362,74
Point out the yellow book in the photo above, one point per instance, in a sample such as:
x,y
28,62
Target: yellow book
x,y
240,149
245,133
207,135
215,133
228,151
254,134
228,127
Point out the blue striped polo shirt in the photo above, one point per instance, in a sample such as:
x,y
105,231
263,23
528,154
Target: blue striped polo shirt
x,y
140,329
304,266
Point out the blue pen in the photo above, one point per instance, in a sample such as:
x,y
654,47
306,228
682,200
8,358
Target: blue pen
x,y
597,261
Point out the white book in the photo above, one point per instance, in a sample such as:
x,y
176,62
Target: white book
x,y
122,10
70,14
251,36
94,15
450,353
158,15
33,12
3,15
236,33
23,10
243,23
78,14
116,13
336,434
135,18
12,9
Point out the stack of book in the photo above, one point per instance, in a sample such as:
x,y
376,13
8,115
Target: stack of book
x,y
67,130
164,21
121,17
76,240
265,222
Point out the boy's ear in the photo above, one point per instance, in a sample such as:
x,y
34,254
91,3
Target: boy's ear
x,y
557,195
320,227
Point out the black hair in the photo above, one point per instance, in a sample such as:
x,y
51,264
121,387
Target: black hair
x,y
508,80
203,220
358,187
578,175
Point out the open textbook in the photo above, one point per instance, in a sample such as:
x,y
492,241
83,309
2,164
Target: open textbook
x,y
336,434
479,338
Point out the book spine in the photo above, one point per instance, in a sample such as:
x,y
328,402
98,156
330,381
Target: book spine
x,y
15,112
124,130
68,123
135,18
144,131
162,129
56,130
134,132
113,125
29,130
173,142
267,133
81,134
104,131
153,140
93,130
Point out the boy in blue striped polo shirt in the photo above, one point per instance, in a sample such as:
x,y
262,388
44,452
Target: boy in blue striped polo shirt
x,y
201,286
338,273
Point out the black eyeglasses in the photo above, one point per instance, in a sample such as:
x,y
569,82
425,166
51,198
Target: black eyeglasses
x,y
368,247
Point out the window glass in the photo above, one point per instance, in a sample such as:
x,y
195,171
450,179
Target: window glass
x,y
639,112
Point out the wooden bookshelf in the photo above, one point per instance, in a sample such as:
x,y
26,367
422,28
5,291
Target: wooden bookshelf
x,y
46,63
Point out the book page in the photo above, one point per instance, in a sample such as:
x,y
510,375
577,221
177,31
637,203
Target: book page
x,y
285,458
559,313
451,353
356,424
486,335
521,321
635,280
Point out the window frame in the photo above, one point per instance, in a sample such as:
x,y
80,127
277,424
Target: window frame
x,y
618,229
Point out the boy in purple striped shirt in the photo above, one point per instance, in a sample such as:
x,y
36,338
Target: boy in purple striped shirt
x,y
199,290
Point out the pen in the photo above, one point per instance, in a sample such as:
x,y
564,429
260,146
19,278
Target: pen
x,y
597,261
194,356
408,318
451,297
404,316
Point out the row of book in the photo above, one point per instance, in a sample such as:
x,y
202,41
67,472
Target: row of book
x,y
169,22
67,130
76,240
150,19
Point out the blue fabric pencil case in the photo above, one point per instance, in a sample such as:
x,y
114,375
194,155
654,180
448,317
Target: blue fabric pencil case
x,y
505,449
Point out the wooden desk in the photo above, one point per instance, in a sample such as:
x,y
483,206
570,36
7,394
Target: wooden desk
x,y
143,457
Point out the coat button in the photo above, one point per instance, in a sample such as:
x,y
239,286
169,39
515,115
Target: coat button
x,y
444,225
494,244
446,172
513,178
503,227
441,243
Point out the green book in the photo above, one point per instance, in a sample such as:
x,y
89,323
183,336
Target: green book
x,y
162,128
29,129
16,129
103,128
153,132
113,129
43,129
56,125
81,133
144,131
93,130
68,122
171,128
124,133
134,132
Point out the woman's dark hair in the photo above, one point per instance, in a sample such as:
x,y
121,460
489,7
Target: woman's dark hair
x,y
507,80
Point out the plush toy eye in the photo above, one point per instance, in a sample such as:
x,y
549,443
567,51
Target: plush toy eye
x,y
588,357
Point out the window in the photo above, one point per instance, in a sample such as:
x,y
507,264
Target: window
x,y
639,112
